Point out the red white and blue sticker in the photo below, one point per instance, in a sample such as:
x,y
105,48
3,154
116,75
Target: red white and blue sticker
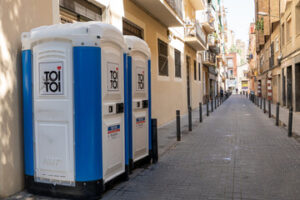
x,y
113,129
140,121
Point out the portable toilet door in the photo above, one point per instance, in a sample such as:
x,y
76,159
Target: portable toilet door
x,y
69,113
139,92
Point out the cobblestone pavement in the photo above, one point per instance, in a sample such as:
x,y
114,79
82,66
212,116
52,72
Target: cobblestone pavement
x,y
237,153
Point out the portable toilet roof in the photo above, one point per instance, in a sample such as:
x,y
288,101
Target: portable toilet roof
x,y
137,44
80,33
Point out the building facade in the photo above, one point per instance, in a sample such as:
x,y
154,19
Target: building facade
x,y
277,47
185,37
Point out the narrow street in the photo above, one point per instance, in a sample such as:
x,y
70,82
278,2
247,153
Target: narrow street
x,y
237,153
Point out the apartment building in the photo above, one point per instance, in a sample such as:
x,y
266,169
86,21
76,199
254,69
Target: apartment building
x,y
268,48
183,36
277,47
251,57
233,61
290,53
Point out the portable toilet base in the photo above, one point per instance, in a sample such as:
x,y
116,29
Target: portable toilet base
x,y
81,190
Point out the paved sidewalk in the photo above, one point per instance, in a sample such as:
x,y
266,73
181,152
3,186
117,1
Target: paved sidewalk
x,y
166,134
284,116
166,140
237,153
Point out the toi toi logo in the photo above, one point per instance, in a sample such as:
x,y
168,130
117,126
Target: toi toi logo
x,y
53,80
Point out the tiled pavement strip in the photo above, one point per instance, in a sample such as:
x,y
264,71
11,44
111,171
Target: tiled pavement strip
x,y
237,153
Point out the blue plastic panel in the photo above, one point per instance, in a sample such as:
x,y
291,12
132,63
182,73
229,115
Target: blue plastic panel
x,y
126,97
129,66
149,104
27,112
88,112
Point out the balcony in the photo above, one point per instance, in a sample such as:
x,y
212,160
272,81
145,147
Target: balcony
x,y
207,19
168,12
195,37
213,42
209,58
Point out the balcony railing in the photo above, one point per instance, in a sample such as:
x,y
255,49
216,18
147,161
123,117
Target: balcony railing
x,y
211,40
207,18
213,70
196,31
209,58
176,5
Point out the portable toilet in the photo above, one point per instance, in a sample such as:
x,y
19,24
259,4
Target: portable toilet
x,y
73,96
139,95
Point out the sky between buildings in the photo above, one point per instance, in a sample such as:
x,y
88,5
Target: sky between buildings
x,y
240,13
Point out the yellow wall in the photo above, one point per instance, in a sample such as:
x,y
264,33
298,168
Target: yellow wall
x,y
292,45
15,17
189,10
168,92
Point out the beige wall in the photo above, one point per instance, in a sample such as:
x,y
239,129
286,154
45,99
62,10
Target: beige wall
x,y
290,50
168,92
16,17
196,91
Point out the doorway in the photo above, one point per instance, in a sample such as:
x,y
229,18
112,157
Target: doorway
x,y
297,84
188,81
289,86
283,89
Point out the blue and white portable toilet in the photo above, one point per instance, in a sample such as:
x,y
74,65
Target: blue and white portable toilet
x,y
139,94
73,95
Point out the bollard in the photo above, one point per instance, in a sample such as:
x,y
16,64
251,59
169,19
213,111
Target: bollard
x,y
212,105
290,126
178,133
265,106
277,114
154,141
190,118
215,103
260,103
207,108
270,113
200,112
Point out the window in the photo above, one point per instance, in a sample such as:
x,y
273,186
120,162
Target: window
x,y
199,71
177,63
282,34
163,58
277,44
272,56
230,63
130,28
289,30
78,10
195,70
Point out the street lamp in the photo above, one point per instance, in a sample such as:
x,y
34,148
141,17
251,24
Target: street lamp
x,y
264,14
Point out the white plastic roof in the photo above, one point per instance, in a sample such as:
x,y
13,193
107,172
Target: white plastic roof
x,y
136,44
76,32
